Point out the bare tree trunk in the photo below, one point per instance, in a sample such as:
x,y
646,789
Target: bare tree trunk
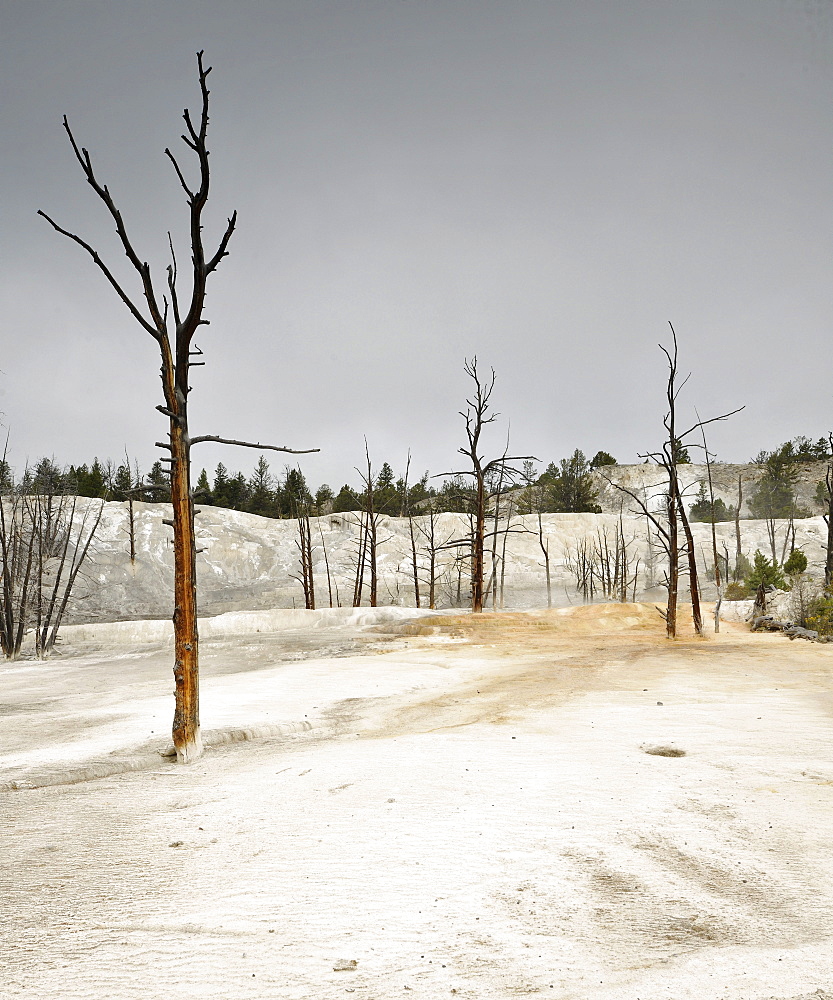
x,y
304,546
546,551
738,550
414,564
405,510
432,557
503,552
477,547
131,529
186,724
361,558
717,577
693,581
673,569
326,563
374,576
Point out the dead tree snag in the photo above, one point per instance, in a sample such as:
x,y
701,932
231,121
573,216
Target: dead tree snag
x,y
163,315
477,415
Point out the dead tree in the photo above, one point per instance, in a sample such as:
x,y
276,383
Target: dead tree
x,y
427,526
304,545
498,496
676,515
668,459
718,582
738,550
545,549
160,315
828,517
406,512
17,555
368,533
477,415
326,564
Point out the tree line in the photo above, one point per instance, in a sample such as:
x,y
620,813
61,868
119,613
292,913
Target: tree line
x,y
563,487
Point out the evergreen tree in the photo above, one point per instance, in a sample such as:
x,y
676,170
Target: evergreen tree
x,y
346,500
456,495
295,490
261,494
799,449
796,564
202,491
701,509
419,493
324,498
387,499
571,488
122,482
764,572
97,483
47,478
774,495
602,458
160,484
681,456
237,492
220,491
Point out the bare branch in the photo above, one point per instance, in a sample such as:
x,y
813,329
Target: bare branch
x,y
103,192
151,329
185,187
640,503
252,444
222,252
172,272
702,423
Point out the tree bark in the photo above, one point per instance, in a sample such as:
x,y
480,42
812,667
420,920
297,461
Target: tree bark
x,y
693,581
186,725
673,569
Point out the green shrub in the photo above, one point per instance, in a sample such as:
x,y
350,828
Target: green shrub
x,y
736,592
820,614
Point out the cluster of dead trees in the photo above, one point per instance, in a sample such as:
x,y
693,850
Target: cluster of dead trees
x,y
45,540
605,566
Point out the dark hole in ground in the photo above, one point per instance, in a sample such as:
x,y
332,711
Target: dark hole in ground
x,y
665,752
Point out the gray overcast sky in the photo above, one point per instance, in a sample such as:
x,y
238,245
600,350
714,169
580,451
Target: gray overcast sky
x,y
546,184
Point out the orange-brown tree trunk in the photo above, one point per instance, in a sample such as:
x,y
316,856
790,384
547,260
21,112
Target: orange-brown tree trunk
x,y
186,724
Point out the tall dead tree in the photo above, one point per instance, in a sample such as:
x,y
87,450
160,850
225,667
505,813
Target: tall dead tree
x,y
161,315
299,508
407,512
675,512
738,550
668,458
428,528
828,517
477,415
